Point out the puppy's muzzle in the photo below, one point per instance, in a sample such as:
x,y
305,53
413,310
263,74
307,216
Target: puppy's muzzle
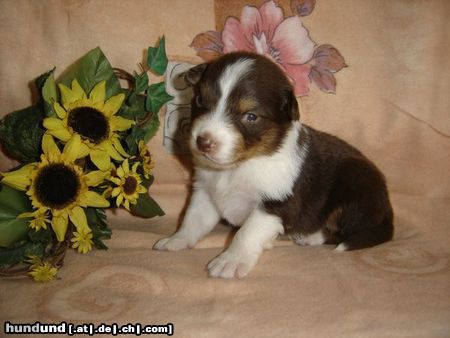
x,y
206,143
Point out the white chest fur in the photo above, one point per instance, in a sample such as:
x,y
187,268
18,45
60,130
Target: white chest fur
x,y
236,192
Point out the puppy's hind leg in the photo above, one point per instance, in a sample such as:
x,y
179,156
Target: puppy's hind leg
x,y
365,216
366,237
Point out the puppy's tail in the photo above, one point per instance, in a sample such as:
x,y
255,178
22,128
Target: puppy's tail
x,y
367,237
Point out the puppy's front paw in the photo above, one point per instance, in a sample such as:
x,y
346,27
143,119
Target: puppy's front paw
x,y
172,243
231,264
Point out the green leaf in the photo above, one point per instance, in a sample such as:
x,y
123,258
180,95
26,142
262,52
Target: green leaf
x,y
39,82
146,207
147,182
100,230
19,252
12,203
142,132
99,244
89,70
156,97
134,108
42,235
46,86
21,133
140,82
157,58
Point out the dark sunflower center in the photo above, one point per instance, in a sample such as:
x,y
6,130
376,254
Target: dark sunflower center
x,y
89,123
130,185
57,186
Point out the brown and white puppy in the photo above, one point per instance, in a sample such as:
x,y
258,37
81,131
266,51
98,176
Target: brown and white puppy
x,y
258,168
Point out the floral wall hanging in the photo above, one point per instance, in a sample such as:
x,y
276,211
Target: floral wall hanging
x,y
82,149
284,39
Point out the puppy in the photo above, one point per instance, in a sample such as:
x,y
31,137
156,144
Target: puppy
x,y
258,167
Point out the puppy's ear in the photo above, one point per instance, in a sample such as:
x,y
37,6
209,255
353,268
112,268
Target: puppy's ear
x,y
289,105
193,75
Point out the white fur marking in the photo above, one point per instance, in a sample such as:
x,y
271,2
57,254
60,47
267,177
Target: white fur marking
x,y
216,122
341,247
258,231
201,217
315,238
231,75
275,175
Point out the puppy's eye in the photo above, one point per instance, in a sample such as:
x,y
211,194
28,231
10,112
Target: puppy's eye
x,y
199,101
249,117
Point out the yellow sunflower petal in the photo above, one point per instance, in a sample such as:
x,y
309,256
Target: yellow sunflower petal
x,y
115,192
76,88
98,92
135,166
120,172
72,149
126,166
126,204
142,189
84,150
119,148
53,123
61,134
50,148
113,104
60,111
94,178
119,123
112,151
68,96
19,179
115,180
92,199
59,225
119,200
101,159
78,217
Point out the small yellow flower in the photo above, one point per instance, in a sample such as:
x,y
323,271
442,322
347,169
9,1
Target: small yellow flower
x,y
94,119
148,163
39,219
82,240
128,185
43,272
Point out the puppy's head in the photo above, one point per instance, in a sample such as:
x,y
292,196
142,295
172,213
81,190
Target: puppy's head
x,y
242,108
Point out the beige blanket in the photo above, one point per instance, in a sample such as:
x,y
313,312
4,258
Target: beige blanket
x,y
392,102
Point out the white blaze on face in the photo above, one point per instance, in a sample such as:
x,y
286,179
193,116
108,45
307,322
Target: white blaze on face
x,y
216,122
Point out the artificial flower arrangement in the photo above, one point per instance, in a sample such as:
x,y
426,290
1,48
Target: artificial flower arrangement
x,y
82,149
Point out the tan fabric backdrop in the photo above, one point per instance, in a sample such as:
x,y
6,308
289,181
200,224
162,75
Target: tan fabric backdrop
x,y
392,102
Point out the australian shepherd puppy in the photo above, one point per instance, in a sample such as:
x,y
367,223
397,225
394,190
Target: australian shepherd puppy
x,y
259,168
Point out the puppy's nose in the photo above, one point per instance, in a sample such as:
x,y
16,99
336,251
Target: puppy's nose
x,y
205,143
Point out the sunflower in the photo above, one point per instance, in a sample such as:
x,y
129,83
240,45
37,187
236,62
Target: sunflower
x,y
93,119
57,186
128,185
148,164
82,240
